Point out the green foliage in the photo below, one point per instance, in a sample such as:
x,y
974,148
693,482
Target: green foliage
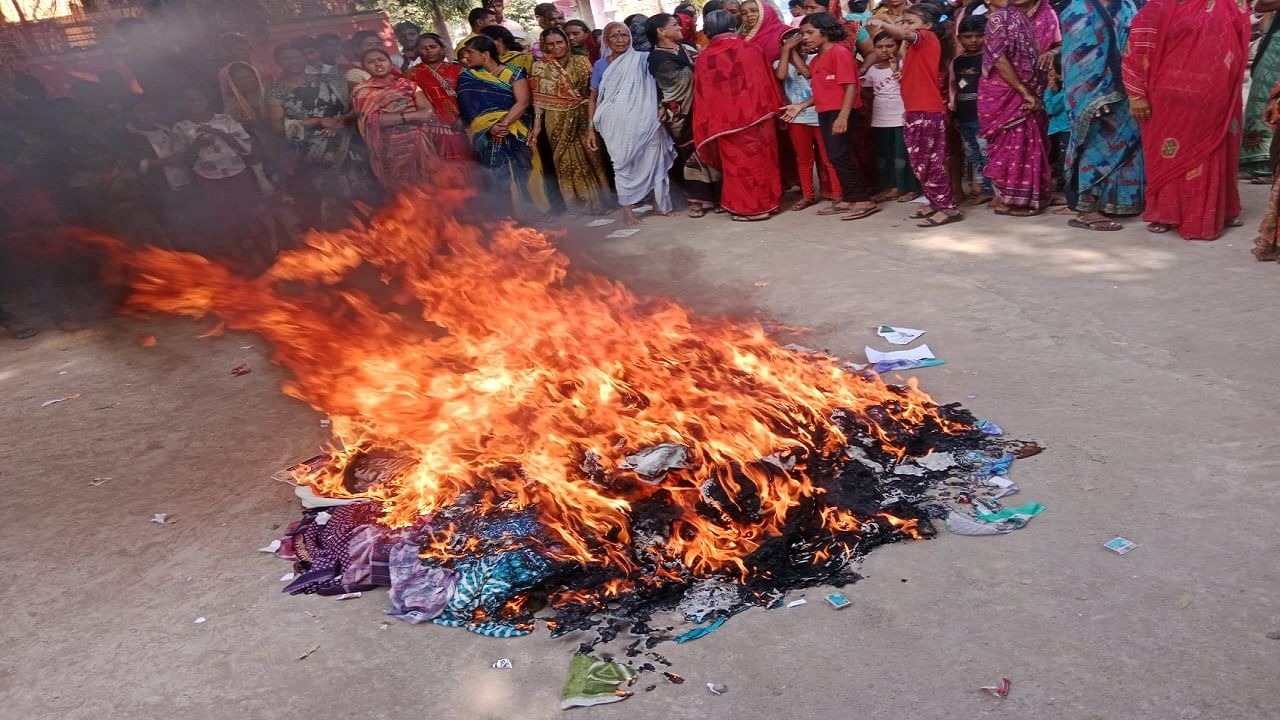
x,y
455,11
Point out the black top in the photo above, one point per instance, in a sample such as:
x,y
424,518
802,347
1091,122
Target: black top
x,y
968,70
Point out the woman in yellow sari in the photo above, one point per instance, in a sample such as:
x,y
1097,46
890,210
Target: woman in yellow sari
x,y
561,84
510,51
493,100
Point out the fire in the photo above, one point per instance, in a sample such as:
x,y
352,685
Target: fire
x,y
517,383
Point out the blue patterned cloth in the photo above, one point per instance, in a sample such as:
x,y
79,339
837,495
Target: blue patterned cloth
x,y
487,583
1104,166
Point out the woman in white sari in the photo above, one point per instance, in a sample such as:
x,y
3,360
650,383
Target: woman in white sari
x,y
624,111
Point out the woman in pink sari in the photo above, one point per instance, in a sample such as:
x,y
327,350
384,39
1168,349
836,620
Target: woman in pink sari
x,y
1011,107
762,27
1184,71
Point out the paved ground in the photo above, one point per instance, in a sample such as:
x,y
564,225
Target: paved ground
x,y
1145,364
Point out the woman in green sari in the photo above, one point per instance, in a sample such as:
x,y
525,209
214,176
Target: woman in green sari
x,y
1255,146
561,85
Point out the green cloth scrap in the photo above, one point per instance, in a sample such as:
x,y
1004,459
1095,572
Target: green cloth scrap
x,y
1016,516
593,681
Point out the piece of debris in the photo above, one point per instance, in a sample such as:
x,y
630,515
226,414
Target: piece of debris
x,y
990,428
1001,690
650,688
55,401
271,547
1119,545
674,678
899,335
620,234
307,653
1029,448
163,519
715,689
246,347
593,681
239,370
937,461
288,577
200,620
348,596
1274,635
762,283
601,222
839,600
703,631
1185,600
384,625
147,341
797,603
100,481
654,462
325,423
501,664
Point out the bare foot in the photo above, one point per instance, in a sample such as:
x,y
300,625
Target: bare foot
x,y
630,218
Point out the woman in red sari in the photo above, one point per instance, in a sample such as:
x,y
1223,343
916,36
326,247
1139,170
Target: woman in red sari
x,y
735,101
438,78
765,28
1190,110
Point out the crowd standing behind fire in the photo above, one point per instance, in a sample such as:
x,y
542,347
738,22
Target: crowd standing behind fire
x,y
1093,106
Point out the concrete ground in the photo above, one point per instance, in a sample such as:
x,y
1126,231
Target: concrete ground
x,y
1145,364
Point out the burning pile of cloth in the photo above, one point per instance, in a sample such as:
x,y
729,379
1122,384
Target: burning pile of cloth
x,y
497,572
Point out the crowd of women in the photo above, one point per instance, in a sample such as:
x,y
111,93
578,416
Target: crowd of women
x,y
1092,106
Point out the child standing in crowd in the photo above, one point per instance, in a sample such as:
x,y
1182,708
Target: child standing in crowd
x,y
221,148
966,72
834,82
892,168
793,70
925,119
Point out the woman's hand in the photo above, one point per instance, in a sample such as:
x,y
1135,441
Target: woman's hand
x,y
1140,108
789,112
593,140
1045,61
500,130
792,42
1031,103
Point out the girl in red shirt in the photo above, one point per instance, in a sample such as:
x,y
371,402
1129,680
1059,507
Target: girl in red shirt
x,y
925,121
835,87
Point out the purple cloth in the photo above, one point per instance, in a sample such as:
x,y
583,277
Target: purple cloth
x,y
925,134
418,592
334,549
1017,161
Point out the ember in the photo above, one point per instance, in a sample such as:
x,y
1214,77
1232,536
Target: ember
x,y
516,440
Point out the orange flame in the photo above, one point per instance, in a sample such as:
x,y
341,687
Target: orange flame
x,y
481,355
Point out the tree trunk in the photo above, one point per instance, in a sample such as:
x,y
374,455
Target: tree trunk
x,y
442,28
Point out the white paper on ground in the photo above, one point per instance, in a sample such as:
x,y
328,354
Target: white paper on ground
x,y
899,335
619,234
601,222
641,209
917,353
921,200
270,547
310,499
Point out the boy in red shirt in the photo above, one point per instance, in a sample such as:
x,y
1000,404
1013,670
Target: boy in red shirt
x,y
835,85
925,121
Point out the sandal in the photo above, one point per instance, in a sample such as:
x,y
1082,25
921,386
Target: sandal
x,y
1101,225
885,196
1158,228
1064,210
908,196
1235,222
859,214
697,211
948,217
803,204
1266,254
751,218
923,212
977,200
834,209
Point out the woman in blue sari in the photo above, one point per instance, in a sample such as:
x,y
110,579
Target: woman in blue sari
x,y
1104,169
493,100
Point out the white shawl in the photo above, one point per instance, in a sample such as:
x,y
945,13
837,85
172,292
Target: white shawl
x,y
627,120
